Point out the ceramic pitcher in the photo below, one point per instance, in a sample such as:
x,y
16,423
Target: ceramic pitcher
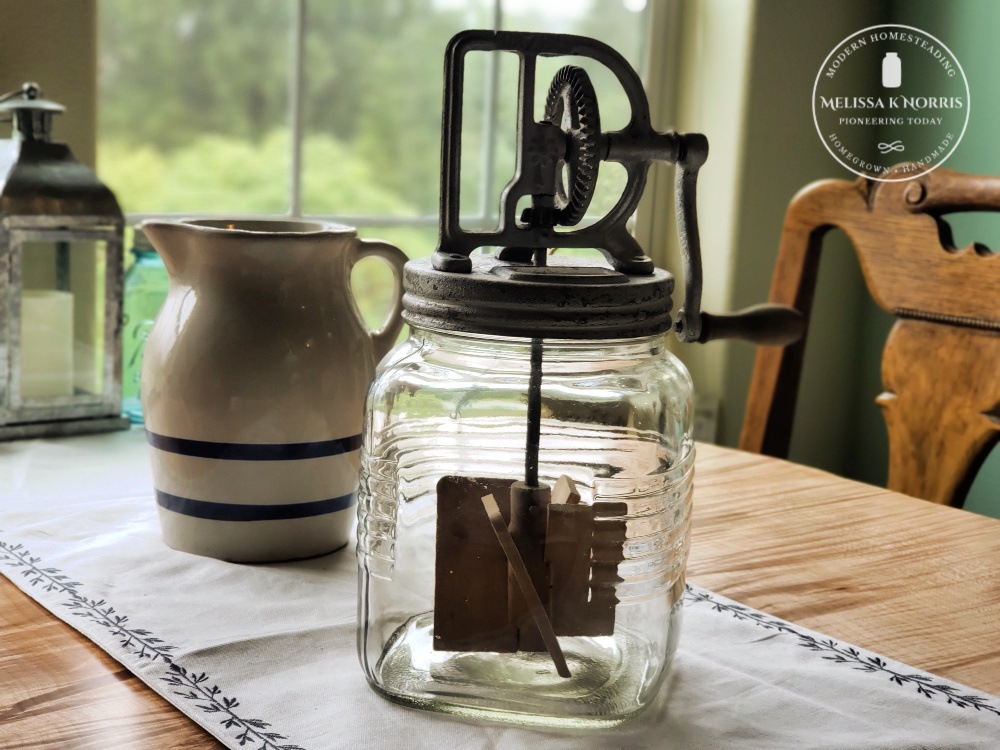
x,y
253,385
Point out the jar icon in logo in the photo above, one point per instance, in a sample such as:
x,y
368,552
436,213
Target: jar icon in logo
x,y
892,71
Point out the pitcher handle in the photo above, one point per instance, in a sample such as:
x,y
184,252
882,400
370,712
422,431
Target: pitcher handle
x,y
385,337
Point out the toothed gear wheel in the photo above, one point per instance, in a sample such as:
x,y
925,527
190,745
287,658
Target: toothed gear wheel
x,y
572,106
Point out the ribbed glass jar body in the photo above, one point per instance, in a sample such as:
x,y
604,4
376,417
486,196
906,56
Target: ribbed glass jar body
x,y
616,419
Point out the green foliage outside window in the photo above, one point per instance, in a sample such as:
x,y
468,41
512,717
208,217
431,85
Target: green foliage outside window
x,y
194,106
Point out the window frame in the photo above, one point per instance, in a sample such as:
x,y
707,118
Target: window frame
x,y
661,56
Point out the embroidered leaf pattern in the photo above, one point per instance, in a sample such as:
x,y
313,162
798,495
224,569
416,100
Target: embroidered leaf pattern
x,y
250,730
833,651
143,644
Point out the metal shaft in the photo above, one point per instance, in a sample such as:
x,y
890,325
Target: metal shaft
x,y
534,415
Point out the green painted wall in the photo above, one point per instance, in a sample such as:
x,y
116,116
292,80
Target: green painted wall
x,y
968,28
755,109
782,154
838,425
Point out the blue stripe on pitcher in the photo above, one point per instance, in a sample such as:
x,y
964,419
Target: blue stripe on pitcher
x,y
242,512
254,451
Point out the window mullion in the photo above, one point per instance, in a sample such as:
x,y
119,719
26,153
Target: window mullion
x,y
296,100
492,84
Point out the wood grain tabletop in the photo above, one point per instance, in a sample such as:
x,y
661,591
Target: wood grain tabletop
x,y
911,580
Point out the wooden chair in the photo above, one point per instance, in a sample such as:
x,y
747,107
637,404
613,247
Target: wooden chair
x,y
941,362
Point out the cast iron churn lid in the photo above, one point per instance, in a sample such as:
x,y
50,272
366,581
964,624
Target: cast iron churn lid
x,y
522,290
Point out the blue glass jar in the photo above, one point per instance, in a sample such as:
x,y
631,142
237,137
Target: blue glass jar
x,y
146,284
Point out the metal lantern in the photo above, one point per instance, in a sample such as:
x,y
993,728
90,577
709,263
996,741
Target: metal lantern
x,y
60,283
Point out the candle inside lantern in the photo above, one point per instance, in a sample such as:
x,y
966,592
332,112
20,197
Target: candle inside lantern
x,y
46,343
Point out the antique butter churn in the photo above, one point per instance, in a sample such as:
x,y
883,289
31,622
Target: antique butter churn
x,y
527,454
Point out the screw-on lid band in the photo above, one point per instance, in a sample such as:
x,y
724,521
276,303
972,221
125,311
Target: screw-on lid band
x,y
571,298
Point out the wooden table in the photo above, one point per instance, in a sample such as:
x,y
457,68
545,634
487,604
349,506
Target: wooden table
x,y
911,580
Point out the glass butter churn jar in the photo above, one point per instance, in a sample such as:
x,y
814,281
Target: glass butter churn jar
x,y
527,455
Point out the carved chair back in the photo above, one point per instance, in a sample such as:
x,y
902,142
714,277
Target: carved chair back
x,y
941,362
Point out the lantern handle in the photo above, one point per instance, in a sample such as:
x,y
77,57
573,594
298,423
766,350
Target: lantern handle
x,y
29,96
31,113
28,90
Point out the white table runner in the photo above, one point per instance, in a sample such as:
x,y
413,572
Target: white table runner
x,y
264,657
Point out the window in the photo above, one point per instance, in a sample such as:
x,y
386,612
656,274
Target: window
x,y
325,109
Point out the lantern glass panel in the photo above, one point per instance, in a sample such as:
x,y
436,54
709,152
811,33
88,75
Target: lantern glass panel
x,y
63,300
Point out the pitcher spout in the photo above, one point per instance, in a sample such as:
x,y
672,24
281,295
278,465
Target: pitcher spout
x,y
174,241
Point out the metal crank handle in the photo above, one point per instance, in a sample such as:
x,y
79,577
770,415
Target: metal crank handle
x,y
767,325
692,152
770,325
